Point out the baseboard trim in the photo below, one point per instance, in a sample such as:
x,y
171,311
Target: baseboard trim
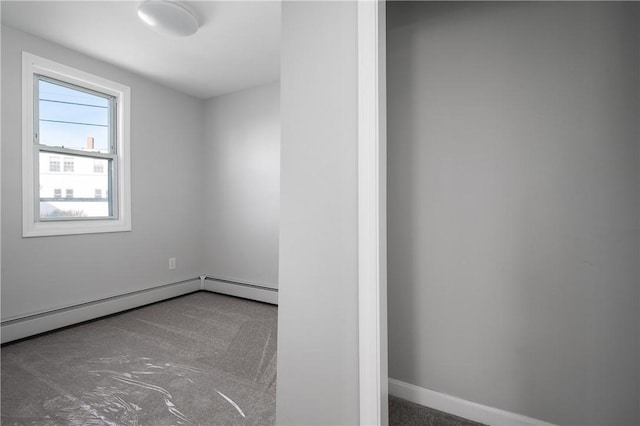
x,y
31,325
459,407
241,289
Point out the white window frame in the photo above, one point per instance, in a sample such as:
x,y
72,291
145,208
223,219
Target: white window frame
x,y
32,226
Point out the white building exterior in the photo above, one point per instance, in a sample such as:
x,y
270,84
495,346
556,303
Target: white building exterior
x,y
73,186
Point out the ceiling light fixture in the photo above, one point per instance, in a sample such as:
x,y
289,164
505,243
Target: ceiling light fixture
x,y
168,17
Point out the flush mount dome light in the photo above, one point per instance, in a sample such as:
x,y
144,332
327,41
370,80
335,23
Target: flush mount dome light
x,y
168,17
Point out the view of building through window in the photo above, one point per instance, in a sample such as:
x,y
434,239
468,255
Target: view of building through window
x,y
74,180
85,183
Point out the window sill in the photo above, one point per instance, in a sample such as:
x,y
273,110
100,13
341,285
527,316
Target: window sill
x,y
47,229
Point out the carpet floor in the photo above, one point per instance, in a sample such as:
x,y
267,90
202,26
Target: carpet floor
x,y
202,358
406,413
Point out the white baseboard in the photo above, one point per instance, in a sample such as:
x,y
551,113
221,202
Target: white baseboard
x,y
40,323
459,407
244,290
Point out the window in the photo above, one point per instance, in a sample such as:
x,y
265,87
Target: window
x,y
57,193
98,166
98,193
54,164
85,120
68,165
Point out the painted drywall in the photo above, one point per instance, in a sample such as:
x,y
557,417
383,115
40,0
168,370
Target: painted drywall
x,y
167,141
513,205
242,185
318,294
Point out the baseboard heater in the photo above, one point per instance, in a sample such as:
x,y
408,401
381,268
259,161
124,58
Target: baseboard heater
x,y
40,322
29,325
242,289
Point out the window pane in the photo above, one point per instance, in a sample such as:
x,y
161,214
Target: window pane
x,y
68,165
54,164
98,166
69,194
72,118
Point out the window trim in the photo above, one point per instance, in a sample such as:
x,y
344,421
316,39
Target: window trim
x,y
32,226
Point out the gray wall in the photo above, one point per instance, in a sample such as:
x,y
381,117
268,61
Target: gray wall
x,y
318,296
242,189
167,141
513,205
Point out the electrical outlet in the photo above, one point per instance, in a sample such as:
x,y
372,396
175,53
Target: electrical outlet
x,y
172,263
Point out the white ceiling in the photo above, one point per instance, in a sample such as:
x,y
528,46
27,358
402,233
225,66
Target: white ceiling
x,y
237,46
